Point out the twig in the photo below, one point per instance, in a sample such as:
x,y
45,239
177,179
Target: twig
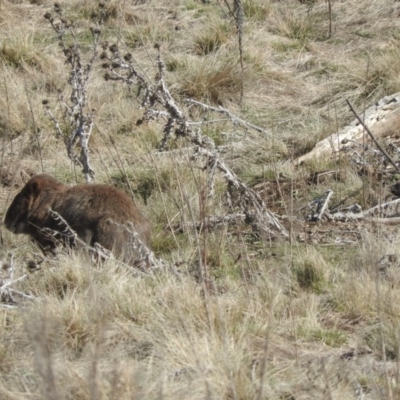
x,y
234,118
210,222
373,137
325,205
6,291
211,121
318,206
354,213
23,295
145,255
239,19
10,282
330,19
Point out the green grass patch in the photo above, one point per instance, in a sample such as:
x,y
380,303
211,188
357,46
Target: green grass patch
x,y
309,270
331,337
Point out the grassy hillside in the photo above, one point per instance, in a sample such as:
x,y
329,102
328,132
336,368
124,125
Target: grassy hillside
x,y
235,315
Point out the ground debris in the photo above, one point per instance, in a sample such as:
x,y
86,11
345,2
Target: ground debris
x,y
9,296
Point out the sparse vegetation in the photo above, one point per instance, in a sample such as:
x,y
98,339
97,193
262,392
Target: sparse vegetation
x,y
235,315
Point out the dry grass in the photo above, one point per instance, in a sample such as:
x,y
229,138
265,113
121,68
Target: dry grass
x,y
299,320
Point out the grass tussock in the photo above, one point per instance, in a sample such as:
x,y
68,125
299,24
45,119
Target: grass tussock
x,y
211,80
256,9
299,23
309,271
211,40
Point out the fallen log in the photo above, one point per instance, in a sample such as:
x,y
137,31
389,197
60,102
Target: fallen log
x,y
383,119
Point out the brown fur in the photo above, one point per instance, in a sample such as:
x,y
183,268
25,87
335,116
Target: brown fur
x,y
92,211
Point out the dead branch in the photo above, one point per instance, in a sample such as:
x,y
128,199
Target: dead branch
x,y
318,206
62,223
157,101
325,204
7,292
388,209
345,217
387,213
235,119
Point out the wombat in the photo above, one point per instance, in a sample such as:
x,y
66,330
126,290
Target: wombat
x,y
99,214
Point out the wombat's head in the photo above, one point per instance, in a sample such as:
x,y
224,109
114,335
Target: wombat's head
x,y
17,216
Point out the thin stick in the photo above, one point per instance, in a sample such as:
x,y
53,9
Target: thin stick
x,y
383,151
233,117
330,19
326,202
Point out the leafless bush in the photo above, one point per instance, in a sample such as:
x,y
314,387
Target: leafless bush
x,y
158,103
77,116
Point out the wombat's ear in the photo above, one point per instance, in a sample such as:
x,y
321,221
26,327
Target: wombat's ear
x,y
34,188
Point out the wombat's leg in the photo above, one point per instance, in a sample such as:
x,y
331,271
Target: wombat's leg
x,y
46,242
116,238
109,235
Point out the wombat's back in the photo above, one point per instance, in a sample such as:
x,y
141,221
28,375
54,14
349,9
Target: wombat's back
x,y
97,213
90,206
